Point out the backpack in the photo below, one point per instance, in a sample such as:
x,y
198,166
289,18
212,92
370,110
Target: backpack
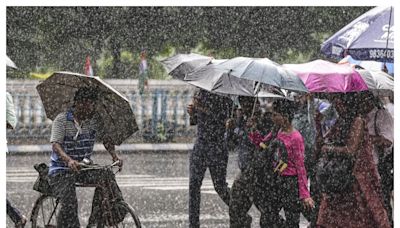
x,y
334,172
276,156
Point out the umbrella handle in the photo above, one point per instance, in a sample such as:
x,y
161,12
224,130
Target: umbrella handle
x,y
254,106
234,99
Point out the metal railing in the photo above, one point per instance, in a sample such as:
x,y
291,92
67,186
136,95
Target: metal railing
x,y
160,112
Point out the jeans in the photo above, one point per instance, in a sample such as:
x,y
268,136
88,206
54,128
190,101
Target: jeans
x,y
63,186
215,158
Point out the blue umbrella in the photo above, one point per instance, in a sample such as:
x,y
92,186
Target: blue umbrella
x,y
369,37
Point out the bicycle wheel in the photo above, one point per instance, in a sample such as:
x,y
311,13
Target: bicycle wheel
x,y
44,212
129,220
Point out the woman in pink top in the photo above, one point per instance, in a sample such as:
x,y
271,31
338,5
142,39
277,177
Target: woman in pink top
x,y
292,182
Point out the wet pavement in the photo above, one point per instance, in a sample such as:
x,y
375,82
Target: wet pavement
x,y
154,184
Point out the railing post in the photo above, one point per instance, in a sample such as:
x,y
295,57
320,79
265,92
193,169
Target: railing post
x,y
26,113
16,99
164,119
143,105
187,98
176,110
154,118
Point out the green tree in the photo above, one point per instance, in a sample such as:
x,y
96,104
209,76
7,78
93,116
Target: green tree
x,y
60,38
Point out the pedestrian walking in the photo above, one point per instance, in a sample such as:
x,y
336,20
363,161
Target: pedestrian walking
x,y
11,120
143,72
360,203
290,188
303,121
251,185
380,129
210,112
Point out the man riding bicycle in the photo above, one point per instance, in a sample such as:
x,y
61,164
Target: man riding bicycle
x,y
73,135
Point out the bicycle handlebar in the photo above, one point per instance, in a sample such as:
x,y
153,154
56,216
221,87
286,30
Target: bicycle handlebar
x,y
97,166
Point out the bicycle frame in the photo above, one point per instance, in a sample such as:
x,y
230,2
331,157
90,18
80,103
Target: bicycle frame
x,y
105,190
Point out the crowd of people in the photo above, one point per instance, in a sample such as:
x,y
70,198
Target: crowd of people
x,y
289,151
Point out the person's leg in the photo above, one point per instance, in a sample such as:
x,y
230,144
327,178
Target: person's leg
x,y
265,199
291,201
63,186
14,213
269,213
95,177
218,175
98,176
387,191
385,167
197,169
240,202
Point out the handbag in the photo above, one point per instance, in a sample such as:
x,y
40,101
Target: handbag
x,y
42,182
335,173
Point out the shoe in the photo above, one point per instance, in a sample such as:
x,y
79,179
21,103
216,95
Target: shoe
x,y
21,224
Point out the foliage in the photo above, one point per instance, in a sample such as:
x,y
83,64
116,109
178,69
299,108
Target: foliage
x,y
62,37
104,64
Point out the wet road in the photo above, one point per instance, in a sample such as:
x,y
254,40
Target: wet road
x,y
155,184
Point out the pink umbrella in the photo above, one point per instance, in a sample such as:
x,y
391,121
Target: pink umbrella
x,y
328,77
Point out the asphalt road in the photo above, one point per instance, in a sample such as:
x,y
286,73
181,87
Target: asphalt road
x,y
155,184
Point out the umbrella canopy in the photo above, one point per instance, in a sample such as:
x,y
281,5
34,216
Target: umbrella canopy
x,y
379,82
10,63
214,79
327,77
57,93
181,64
239,76
369,37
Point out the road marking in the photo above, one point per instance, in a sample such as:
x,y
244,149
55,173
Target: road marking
x,y
149,182
181,217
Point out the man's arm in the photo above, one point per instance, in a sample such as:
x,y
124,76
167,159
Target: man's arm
x,y
101,135
72,164
110,147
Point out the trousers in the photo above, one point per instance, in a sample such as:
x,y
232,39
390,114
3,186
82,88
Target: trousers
x,y
63,186
215,158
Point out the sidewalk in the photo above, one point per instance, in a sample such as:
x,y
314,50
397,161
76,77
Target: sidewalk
x,y
140,147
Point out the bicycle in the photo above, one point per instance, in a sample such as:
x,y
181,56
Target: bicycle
x,y
46,207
